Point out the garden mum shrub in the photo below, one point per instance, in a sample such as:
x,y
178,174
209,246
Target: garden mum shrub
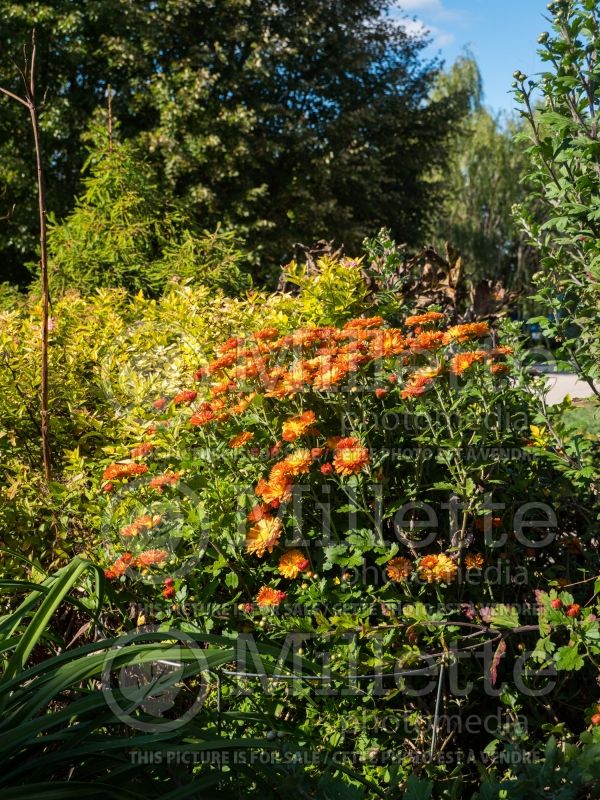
x,y
382,495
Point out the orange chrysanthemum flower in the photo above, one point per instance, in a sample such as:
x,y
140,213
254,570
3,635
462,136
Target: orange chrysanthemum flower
x,y
294,427
142,450
437,569
259,512
267,333
350,460
241,439
499,369
424,319
264,536
144,523
352,361
222,363
331,376
223,387
120,566
151,558
280,471
297,463
427,340
231,344
346,441
269,597
160,481
303,337
463,361
364,322
243,403
117,472
250,368
387,343
186,397
415,390
203,416
326,335
331,350
464,333
474,561
502,351
292,563
424,376
398,569
274,491
419,381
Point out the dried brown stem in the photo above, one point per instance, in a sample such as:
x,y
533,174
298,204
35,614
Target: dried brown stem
x,y
29,101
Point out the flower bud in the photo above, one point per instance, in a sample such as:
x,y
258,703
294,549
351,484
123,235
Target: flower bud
x,y
573,610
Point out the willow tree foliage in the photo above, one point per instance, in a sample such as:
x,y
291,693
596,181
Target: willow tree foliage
x,y
485,178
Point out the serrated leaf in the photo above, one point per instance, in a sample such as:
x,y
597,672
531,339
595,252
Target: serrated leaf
x,y
568,658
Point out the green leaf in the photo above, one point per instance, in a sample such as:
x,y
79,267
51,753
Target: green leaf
x,y
232,580
568,658
503,616
417,789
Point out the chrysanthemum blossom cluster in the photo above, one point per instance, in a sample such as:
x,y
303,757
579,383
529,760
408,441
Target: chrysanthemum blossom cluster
x,y
145,559
261,375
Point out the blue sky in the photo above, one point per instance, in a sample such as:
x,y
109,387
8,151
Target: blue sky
x,y
502,34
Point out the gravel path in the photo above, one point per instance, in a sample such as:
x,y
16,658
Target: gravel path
x,y
561,384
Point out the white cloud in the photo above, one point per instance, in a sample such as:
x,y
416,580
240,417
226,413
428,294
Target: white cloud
x,y
433,7
433,11
415,27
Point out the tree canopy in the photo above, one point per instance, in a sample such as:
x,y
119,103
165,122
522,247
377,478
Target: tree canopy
x,y
288,121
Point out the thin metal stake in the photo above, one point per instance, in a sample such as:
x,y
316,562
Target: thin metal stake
x,y
438,701
219,703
